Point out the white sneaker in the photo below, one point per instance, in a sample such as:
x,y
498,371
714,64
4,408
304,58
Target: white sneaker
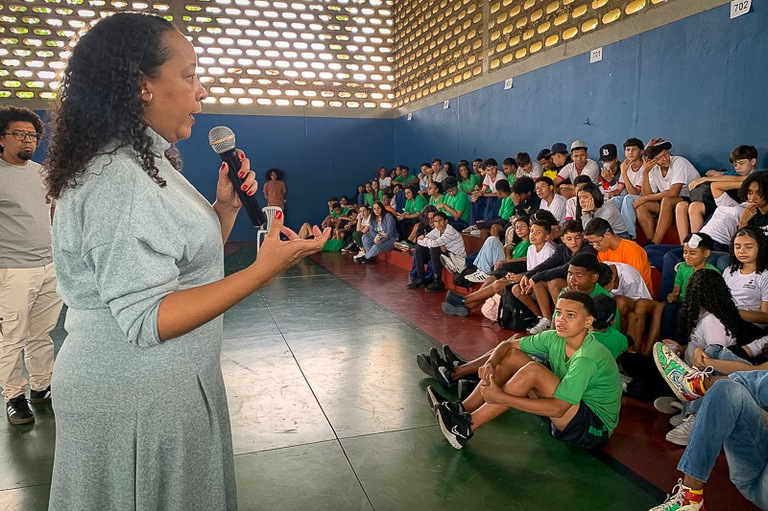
x,y
469,229
475,232
625,381
542,326
676,420
668,405
478,276
359,256
681,434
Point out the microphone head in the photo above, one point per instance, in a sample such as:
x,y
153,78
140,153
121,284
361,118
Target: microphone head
x,y
222,139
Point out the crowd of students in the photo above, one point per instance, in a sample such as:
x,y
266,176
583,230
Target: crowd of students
x,y
561,247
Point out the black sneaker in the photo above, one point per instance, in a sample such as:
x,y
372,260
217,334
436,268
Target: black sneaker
x,y
416,283
449,356
454,299
437,400
40,396
425,364
17,410
436,286
454,310
441,369
465,386
456,426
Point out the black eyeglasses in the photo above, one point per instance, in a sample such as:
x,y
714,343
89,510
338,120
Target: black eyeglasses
x,y
23,135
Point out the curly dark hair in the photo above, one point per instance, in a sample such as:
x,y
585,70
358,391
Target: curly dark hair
x,y
762,249
9,114
99,102
277,172
708,291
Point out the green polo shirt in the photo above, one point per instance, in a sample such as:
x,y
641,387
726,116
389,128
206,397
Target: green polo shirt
x,y
460,202
414,205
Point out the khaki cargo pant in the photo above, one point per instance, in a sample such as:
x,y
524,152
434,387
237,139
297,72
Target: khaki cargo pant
x,y
29,310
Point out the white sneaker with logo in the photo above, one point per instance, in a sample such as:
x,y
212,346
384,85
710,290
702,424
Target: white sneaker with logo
x,y
478,276
681,434
543,325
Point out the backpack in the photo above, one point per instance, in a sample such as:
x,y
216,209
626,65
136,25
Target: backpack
x,y
513,314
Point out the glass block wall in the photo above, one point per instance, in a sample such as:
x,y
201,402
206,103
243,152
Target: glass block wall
x,y
334,54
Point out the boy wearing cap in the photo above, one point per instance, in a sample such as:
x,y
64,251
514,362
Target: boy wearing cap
x,y
665,184
579,165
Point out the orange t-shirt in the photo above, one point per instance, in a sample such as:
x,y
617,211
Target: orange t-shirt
x,y
632,254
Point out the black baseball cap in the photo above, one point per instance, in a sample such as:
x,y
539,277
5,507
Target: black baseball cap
x,y
608,152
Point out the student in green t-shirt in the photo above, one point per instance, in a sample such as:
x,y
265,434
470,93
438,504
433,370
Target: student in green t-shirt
x,y
414,203
696,249
455,204
581,394
468,182
435,192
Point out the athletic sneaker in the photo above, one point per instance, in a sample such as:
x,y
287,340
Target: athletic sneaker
x,y
455,310
17,410
668,405
40,396
436,286
449,356
456,426
441,368
437,400
681,500
452,265
685,381
543,325
474,232
454,298
478,276
422,360
681,434
676,420
469,229
359,256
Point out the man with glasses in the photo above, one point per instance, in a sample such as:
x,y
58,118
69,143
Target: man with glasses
x,y
29,305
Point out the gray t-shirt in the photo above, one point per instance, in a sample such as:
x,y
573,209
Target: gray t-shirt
x,y
25,218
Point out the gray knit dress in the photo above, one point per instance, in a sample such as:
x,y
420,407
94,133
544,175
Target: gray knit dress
x,y
140,424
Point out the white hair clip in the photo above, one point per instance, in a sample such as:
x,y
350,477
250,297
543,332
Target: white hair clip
x,y
694,241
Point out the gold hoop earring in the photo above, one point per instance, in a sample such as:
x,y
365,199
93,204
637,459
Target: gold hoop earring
x,y
151,96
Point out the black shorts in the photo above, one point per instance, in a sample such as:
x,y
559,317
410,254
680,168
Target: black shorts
x,y
586,430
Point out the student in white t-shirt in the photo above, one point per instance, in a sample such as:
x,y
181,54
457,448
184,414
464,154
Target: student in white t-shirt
x,y
528,167
551,201
632,179
747,277
486,202
627,287
665,184
581,164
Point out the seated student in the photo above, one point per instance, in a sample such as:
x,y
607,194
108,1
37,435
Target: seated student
x,y
548,167
581,395
609,180
405,178
435,172
579,165
753,190
443,238
747,277
435,193
632,179
690,217
382,234
551,201
468,182
359,197
544,282
627,287
526,167
592,204
385,182
665,184
506,208
524,199
448,169
334,216
509,167
426,224
572,203
414,203
346,227
424,179
497,259
363,226
386,199
455,204
398,197
369,199
612,248
731,417
486,202
539,250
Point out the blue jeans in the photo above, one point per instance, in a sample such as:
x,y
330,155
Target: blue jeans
x,y
491,252
372,249
459,224
626,204
718,352
428,274
731,417
484,208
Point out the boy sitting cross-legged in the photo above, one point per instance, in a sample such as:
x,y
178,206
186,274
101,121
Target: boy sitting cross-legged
x,y
581,395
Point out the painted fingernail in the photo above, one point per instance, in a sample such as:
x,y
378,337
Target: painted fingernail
x,y
241,174
251,192
223,165
279,214
244,187
242,156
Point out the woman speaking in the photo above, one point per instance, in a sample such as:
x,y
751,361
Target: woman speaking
x,y
141,411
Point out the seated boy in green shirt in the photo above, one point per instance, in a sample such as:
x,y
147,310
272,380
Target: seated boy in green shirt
x,y
581,394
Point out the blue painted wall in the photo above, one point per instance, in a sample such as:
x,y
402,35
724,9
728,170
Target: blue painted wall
x,y
699,83
320,157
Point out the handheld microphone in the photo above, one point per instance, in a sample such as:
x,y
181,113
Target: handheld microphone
x,y
222,140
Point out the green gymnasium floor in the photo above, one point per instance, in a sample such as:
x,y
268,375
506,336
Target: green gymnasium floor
x,y
328,413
